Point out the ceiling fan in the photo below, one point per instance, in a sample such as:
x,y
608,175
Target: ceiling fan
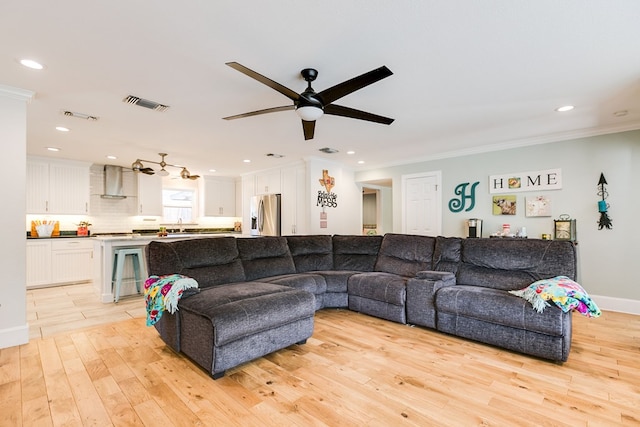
x,y
311,105
137,166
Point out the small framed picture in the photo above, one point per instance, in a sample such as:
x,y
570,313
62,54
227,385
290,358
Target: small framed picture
x,y
538,206
564,228
504,205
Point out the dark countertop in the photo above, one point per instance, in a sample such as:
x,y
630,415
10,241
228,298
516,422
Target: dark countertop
x,y
63,235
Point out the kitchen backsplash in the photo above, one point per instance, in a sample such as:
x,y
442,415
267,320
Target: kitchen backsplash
x,y
116,215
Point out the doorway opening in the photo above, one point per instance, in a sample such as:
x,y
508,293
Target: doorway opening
x,y
376,207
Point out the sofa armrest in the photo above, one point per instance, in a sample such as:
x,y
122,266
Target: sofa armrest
x,y
421,296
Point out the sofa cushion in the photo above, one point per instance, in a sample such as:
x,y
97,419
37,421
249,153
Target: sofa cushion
x,y
210,261
313,283
379,286
265,257
405,254
447,253
358,253
510,264
499,307
311,253
241,309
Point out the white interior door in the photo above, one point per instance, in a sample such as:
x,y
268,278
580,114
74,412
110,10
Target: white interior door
x,y
422,204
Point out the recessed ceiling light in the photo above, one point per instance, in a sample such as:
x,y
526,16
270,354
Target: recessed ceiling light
x,y
30,63
247,161
62,129
53,149
565,108
212,170
111,157
361,162
351,152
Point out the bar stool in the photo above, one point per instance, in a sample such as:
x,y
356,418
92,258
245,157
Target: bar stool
x,y
139,270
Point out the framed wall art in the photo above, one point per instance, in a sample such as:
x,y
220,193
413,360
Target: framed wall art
x,y
504,205
538,206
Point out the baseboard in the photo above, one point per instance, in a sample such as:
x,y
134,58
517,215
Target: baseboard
x,y
622,305
17,335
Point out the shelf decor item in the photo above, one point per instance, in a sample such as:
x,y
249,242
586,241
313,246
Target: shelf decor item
x,y
603,206
564,228
83,228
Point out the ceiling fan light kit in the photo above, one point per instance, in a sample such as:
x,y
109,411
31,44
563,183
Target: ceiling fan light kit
x,y
309,105
138,167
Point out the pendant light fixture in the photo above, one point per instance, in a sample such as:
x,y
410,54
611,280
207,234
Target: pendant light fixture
x,y
138,167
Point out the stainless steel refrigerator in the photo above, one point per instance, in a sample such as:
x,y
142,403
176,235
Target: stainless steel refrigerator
x,y
265,215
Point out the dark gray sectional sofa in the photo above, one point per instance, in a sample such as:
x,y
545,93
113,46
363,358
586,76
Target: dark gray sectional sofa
x,y
258,295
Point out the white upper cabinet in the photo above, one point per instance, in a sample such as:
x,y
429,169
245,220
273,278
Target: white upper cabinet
x,y
57,187
268,182
149,195
219,196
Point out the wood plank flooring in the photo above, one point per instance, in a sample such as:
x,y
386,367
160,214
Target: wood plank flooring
x,y
356,370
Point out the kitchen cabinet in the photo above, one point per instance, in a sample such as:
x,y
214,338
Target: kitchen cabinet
x,y
219,196
57,187
149,195
38,262
57,261
71,260
294,212
268,182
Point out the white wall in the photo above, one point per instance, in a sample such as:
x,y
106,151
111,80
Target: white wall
x,y
606,257
14,329
346,218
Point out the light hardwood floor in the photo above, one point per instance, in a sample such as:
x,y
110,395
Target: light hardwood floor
x,y
355,370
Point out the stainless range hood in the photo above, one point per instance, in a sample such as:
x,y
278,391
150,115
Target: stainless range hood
x,y
113,183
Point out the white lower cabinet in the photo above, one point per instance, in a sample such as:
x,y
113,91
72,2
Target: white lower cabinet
x,y
38,262
54,261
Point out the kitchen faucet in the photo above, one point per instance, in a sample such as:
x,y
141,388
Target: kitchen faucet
x,y
180,225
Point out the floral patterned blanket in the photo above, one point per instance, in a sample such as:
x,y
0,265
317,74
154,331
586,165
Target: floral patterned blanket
x,y
563,292
163,293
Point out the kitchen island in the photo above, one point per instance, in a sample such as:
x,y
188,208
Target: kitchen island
x,y
104,247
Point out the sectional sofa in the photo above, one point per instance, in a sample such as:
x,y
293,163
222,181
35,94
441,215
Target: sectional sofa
x,y
259,295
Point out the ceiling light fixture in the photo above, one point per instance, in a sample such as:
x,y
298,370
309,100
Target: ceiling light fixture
x,y
62,129
53,149
309,113
138,167
30,63
565,108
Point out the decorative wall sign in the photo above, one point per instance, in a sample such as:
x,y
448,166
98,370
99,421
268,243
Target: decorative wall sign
x,y
549,179
603,206
538,206
504,205
327,199
457,205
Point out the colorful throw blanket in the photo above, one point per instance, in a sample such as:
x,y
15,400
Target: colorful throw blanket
x,y
564,292
163,293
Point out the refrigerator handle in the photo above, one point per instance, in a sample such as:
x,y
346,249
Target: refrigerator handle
x,y
261,215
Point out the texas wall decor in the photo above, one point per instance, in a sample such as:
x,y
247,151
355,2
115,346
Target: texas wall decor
x,y
327,199
549,179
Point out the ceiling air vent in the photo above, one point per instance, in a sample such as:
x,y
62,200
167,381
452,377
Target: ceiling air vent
x,y
79,115
328,150
152,105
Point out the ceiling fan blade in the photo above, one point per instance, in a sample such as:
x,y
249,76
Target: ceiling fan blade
x,y
336,92
194,177
147,171
258,112
309,129
339,110
265,80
